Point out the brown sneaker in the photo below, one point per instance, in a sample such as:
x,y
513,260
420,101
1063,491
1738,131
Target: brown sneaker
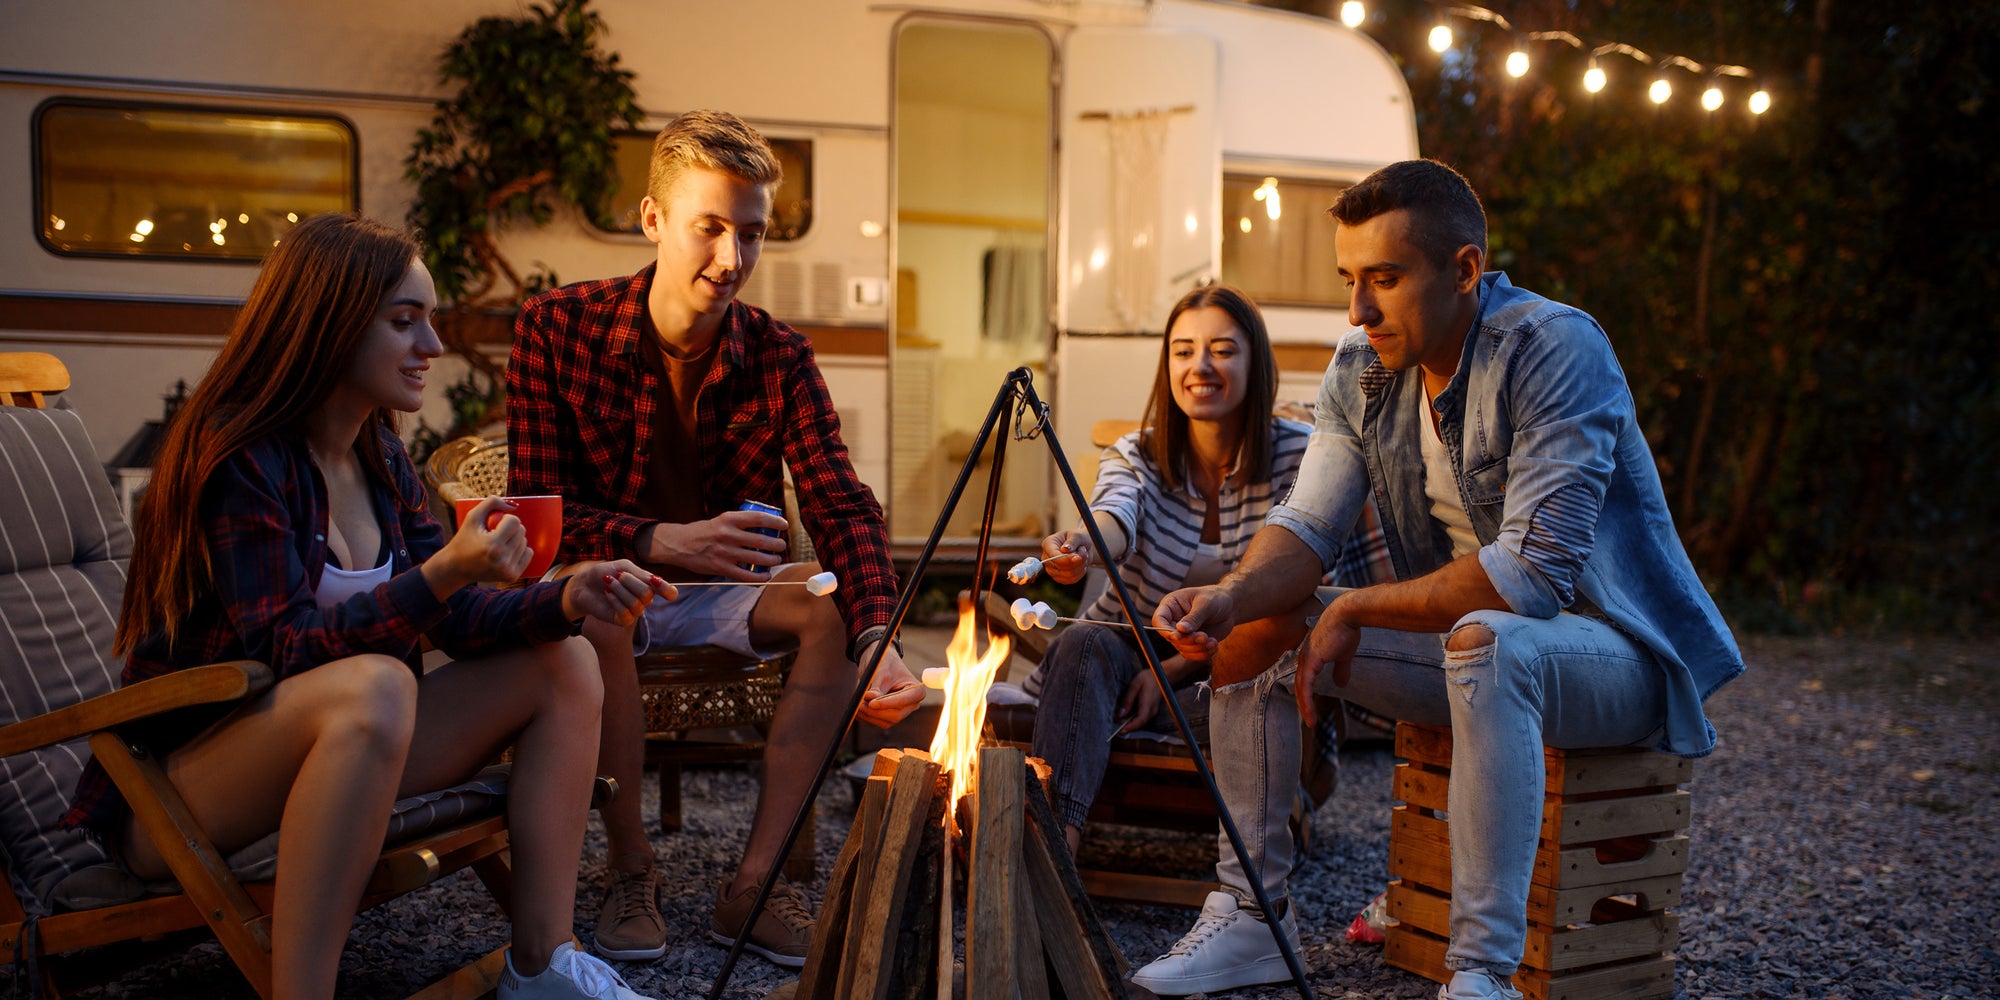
x,y
629,926
784,929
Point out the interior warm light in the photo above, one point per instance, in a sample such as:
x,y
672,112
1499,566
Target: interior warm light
x,y
217,237
870,229
955,748
1352,13
1517,64
1711,99
1193,224
1760,102
290,217
1267,193
1440,38
1593,79
1098,258
57,223
145,226
1660,91
1243,224
138,237
243,217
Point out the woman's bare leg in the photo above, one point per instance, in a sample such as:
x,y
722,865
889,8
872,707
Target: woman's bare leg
x,y
546,700
322,752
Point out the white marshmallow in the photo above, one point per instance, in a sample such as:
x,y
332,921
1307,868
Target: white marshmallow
x,y
1045,616
822,584
935,677
1025,570
1023,612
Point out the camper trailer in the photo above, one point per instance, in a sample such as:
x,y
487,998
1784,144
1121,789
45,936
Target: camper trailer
x,y
973,186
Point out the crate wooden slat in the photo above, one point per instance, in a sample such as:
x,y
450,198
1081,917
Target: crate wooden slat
x,y
1608,868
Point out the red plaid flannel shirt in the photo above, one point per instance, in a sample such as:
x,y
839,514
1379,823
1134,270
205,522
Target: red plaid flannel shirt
x,y
580,416
264,514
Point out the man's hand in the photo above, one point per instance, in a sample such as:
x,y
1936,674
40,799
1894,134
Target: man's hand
x,y
1199,619
717,546
616,592
892,694
1066,554
1332,643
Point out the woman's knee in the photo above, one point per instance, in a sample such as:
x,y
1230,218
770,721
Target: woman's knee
x,y
370,696
567,673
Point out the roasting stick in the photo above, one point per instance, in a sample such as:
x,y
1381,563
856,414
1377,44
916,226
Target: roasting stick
x,y
818,584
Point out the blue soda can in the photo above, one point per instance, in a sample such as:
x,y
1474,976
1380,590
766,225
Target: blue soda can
x,y
768,532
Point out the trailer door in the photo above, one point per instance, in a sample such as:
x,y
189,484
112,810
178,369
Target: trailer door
x,y
1140,171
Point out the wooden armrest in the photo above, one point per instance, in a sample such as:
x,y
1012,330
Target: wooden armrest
x,y
202,685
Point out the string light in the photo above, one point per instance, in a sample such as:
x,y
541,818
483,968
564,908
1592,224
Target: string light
x,y
1518,62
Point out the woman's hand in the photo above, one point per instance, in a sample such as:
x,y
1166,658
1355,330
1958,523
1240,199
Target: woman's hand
x,y
617,592
1066,554
479,553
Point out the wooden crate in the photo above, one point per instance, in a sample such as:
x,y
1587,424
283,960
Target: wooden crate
x,y
1608,869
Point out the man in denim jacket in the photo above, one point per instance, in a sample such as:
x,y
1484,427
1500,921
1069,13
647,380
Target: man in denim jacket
x,y
1542,595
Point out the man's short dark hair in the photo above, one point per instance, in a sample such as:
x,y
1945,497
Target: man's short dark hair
x,y
1445,213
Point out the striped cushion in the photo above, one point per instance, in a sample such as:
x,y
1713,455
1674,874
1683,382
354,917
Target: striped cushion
x,y
63,549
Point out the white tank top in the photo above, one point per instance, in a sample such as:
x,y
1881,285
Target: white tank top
x,y
336,585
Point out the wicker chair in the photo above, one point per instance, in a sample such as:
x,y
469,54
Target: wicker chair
x,y
688,693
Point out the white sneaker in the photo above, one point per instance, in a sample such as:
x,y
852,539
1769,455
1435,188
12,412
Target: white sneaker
x,y
1228,947
571,975
1478,984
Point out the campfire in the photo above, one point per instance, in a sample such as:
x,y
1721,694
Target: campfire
x,y
960,815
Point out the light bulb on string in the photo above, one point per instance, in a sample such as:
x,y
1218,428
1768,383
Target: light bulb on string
x,y
1440,38
1711,98
1352,13
1517,64
1593,79
1760,102
1660,91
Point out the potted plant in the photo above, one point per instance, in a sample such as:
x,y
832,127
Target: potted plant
x,y
528,127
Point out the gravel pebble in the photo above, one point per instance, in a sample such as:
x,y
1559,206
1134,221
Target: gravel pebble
x,y
1837,832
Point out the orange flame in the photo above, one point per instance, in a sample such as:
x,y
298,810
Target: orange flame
x,y
955,748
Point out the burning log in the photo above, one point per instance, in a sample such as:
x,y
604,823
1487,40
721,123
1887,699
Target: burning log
x,y
888,910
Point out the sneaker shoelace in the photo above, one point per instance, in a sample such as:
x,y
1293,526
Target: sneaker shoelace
x,y
631,895
591,974
1207,927
788,905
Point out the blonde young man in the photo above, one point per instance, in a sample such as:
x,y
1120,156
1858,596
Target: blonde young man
x,y
655,404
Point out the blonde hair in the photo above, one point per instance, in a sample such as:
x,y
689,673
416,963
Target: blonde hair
x,y
716,140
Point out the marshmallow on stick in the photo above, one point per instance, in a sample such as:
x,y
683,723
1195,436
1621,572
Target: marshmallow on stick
x,y
818,584
1025,570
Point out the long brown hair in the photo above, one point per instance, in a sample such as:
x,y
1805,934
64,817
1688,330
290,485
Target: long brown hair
x,y
289,348
1166,437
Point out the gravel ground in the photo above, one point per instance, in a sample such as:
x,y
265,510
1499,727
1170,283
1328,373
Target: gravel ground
x,y
1837,830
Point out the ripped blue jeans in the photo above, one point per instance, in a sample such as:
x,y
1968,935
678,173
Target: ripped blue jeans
x,y
1567,681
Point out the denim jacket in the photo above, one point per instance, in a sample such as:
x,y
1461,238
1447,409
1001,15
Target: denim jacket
x,y
1555,476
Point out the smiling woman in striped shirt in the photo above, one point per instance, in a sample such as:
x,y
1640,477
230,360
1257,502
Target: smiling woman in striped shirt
x,y
1176,501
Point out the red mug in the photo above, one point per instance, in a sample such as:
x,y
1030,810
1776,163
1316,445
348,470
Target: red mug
x,y
542,516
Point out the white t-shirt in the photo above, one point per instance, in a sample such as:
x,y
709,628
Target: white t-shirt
x,y
1441,486
336,585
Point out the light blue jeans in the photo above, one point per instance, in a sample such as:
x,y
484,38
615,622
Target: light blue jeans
x,y
1567,681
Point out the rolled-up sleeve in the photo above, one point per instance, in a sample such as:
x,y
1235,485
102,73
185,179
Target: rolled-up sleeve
x,y
1567,407
1332,483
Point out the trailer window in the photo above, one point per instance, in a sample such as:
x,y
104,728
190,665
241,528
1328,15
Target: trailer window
x,y
1277,241
135,180
791,209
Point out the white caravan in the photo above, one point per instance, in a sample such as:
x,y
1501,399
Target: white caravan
x,y
975,185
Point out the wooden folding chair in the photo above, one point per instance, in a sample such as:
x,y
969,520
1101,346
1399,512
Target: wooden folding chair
x,y
63,546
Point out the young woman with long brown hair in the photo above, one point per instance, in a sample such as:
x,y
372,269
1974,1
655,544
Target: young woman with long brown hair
x,y
285,524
